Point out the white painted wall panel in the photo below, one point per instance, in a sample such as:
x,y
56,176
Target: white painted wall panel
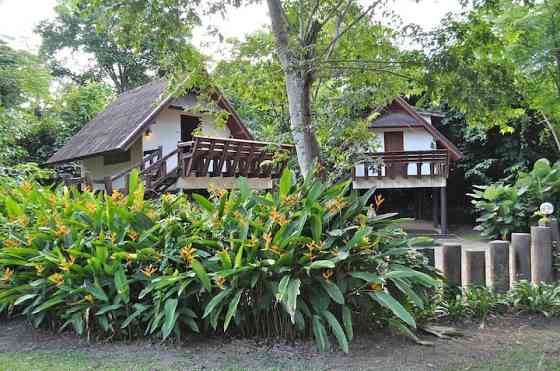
x,y
414,139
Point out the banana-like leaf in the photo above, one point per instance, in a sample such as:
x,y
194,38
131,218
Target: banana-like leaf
x,y
200,272
170,317
385,299
337,330
232,308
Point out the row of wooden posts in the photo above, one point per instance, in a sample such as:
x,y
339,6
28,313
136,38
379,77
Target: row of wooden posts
x,y
529,256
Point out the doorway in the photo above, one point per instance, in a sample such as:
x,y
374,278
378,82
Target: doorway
x,y
188,125
394,142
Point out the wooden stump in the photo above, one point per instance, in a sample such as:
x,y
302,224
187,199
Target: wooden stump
x,y
541,254
448,261
519,258
472,268
497,266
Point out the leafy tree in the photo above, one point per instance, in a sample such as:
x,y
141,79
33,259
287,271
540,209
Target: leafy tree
x,y
306,37
73,30
500,61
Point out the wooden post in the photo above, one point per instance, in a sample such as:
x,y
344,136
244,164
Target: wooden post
x,y
448,261
443,201
519,258
541,254
472,268
108,185
435,207
497,266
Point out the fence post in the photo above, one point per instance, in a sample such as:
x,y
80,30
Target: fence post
x,y
472,268
519,258
448,261
541,254
497,266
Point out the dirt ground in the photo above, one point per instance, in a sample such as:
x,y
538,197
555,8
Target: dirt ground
x,y
380,351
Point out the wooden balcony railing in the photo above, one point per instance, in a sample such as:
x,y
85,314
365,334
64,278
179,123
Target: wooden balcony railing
x,y
213,157
404,164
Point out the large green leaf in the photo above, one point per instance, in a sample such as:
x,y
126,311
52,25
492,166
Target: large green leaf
x,y
291,299
49,303
321,264
285,182
232,308
333,291
200,272
170,318
388,301
203,202
121,283
337,330
320,334
215,301
347,321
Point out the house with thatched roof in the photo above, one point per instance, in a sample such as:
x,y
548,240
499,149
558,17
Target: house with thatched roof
x,y
177,141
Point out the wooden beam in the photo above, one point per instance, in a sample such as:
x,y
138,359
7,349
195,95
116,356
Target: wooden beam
x,y
443,202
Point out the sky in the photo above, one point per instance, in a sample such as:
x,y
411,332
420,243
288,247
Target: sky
x,y
18,18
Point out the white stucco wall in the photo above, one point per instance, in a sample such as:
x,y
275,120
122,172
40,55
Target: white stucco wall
x,y
414,139
166,131
95,168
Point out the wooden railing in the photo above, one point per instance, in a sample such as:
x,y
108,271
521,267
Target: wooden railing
x,y
205,156
404,164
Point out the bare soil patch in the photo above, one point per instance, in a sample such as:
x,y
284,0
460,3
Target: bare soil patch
x,y
379,351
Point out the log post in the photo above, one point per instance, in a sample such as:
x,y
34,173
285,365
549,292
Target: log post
x,y
435,207
541,254
448,261
519,258
472,268
497,266
108,181
443,203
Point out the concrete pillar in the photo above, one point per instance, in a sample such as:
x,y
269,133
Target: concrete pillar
x,y
497,266
519,258
443,204
541,254
448,261
555,229
473,268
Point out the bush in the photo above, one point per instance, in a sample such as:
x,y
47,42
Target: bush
x,y
308,259
506,208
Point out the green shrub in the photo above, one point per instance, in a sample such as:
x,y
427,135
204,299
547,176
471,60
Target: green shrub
x,y
306,260
536,299
506,208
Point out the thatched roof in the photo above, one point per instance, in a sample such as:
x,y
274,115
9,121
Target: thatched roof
x,y
124,120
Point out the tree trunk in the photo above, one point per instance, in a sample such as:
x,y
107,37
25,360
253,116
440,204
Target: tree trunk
x,y
298,85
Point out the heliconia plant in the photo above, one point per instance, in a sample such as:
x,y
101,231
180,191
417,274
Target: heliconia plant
x,y
307,259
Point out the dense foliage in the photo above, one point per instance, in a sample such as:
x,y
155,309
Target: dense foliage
x,y
309,259
510,206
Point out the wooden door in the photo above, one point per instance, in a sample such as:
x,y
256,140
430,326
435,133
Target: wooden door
x,y
394,142
188,126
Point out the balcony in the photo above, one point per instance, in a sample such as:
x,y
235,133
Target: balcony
x,y
407,169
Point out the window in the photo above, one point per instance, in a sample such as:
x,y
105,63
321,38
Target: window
x,y
116,157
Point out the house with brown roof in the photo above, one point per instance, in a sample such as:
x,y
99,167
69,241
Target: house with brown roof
x,y
412,154
178,141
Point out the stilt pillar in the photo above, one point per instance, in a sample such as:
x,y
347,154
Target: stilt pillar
x,y
435,207
443,202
